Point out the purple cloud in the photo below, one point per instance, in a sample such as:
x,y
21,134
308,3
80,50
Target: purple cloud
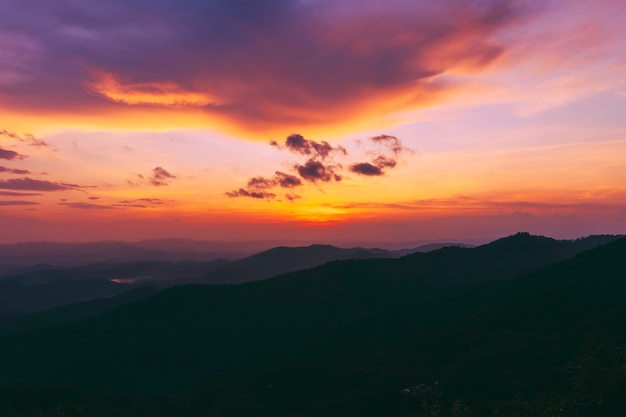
x,y
17,194
298,144
14,171
252,194
10,155
257,64
17,203
365,168
314,171
29,184
87,206
160,177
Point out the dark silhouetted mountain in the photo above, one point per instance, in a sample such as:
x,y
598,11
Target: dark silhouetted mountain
x,y
429,248
17,298
282,259
161,272
73,312
359,326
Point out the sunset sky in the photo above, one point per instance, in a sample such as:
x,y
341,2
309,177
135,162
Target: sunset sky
x,y
325,121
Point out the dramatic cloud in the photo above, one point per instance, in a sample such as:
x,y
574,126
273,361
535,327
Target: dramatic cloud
x,y
29,184
297,143
14,171
10,155
18,203
314,171
253,64
160,176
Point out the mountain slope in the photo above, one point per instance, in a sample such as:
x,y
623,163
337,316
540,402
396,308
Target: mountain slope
x,y
203,334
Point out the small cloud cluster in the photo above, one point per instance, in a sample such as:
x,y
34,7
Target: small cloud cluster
x,y
26,137
315,169
380,161
298,144
159,177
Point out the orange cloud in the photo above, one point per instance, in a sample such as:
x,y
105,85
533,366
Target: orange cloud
x,y
167,94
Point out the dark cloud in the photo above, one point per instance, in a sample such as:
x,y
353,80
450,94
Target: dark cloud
x,y
384,162
261,183
252,194
375,168
380,162
29,184
257,64
257,186
286,180
314,171
10,155
17,203
14,171
365,168
298,144
160,177
16,194
94,198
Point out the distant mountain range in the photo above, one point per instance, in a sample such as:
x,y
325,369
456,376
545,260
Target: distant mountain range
x,y
39,287
523,315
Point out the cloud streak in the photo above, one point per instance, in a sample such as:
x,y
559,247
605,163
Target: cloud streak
x,y
10,155
29,184
17,203
14,171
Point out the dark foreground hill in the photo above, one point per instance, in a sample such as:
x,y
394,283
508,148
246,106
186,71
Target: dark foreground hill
x,y
371,338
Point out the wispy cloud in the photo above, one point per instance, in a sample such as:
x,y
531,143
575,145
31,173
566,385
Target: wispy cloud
x,y
29,138
158,177
17,203
14,171
29,184
10,155
18,194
